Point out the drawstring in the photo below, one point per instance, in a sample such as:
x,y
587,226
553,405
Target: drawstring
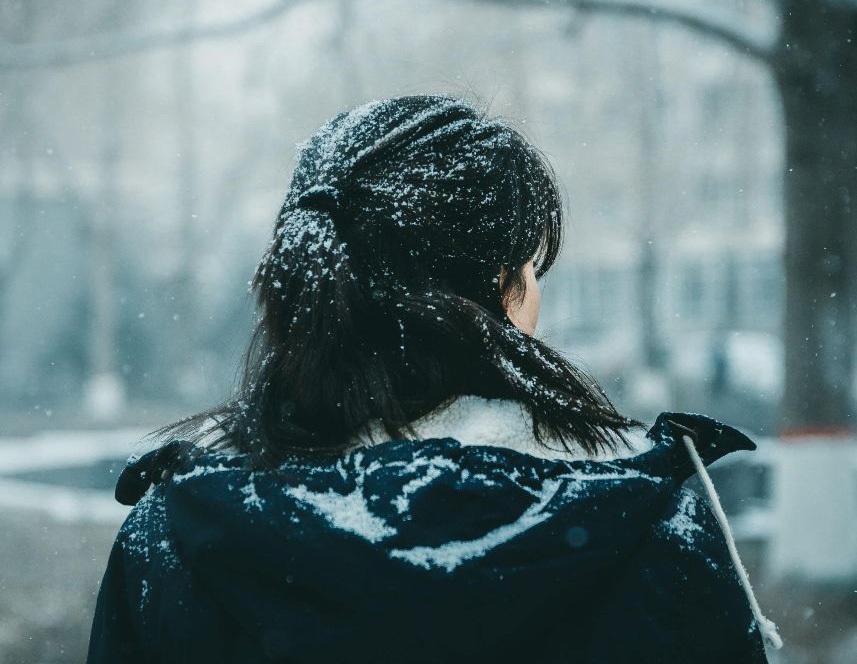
x,y
766,626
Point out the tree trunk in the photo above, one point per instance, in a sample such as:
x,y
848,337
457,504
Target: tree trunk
x,y
21,162
649,183
104,391
187,373
816,68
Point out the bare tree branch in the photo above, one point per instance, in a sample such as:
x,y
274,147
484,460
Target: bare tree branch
x,y
708,19
102,47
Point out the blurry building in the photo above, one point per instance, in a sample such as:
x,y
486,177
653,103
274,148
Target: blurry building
x,y
671,286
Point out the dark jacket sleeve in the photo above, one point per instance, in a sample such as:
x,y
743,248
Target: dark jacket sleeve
x,y
150,607
679,599
113,637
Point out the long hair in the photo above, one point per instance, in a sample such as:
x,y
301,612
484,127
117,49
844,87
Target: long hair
x,y
379,296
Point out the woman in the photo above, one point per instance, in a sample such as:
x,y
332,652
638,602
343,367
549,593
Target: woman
x,y
406,474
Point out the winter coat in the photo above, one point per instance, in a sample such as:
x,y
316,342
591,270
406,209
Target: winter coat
x,y
436,549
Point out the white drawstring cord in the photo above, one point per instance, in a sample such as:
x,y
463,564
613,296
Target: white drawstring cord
x,y
766,626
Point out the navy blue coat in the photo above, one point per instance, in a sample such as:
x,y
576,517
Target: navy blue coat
x,y
427,551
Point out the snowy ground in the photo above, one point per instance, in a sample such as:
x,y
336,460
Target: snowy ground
x,y
55,542
49,576
55,450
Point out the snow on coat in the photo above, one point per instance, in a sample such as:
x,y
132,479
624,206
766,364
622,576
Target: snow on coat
x,y
428,550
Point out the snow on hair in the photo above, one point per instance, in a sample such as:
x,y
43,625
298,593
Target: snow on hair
x,y
379,293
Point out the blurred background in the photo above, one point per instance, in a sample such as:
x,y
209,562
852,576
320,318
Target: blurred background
x,y
708,149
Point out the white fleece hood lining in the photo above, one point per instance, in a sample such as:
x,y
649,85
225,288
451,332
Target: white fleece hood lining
x,y
475,420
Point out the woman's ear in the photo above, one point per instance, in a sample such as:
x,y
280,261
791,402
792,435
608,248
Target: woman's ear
x,y
524,311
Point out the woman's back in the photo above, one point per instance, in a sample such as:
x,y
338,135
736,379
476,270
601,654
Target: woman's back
x,y
335,509
427,551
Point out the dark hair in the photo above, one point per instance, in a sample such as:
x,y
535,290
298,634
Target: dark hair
x,y
380,296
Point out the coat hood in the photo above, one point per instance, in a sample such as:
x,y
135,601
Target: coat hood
x,y
432,550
